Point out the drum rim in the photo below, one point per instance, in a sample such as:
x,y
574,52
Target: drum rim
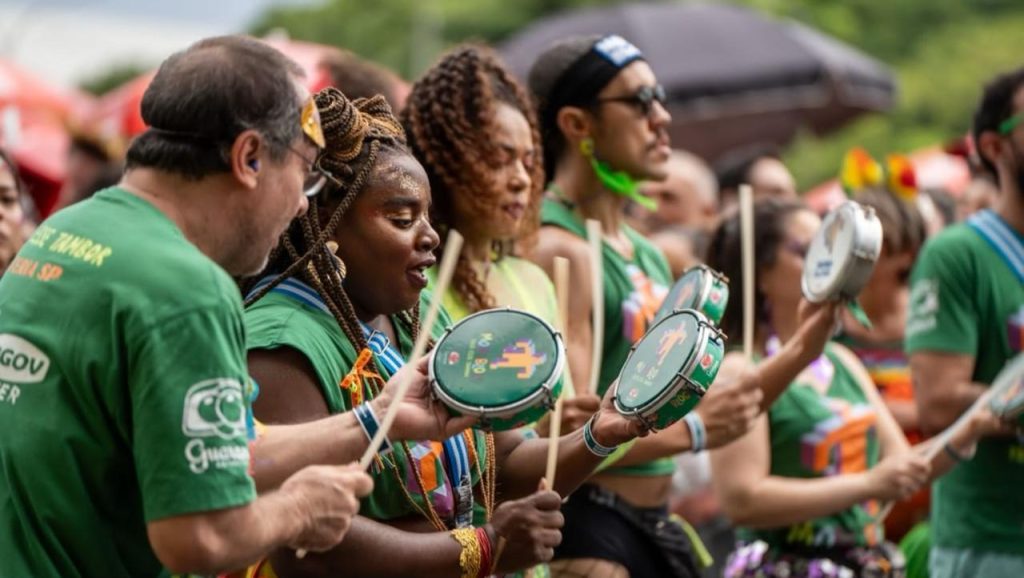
x,y
709,279
837,288
546,388
705,333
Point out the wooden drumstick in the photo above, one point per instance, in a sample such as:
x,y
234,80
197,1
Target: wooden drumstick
x,y
597,295
562,320
451,255
555,430
938,442
747,245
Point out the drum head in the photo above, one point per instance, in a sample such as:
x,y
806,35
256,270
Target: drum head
x,y
495,358
828,254
686,293
1008,395
655,364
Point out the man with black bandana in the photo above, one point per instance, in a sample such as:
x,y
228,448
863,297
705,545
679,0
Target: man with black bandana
x,y
966,322
604,128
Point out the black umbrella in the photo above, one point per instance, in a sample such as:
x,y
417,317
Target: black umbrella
x,y
735,79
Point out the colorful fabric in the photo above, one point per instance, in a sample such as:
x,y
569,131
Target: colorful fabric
x,y
291,318
915,547
966,299
815,435
633,291
758,560
123,390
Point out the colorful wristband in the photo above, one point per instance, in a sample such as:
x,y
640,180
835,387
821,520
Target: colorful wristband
x,y
368,421
591,443
698,435
486,552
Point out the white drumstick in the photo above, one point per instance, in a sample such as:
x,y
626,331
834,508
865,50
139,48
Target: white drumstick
x,y
597,295
747,246
444,276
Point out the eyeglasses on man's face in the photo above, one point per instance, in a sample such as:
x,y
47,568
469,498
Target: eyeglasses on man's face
x,y
643,99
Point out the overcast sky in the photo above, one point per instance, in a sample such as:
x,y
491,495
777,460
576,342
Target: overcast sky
x,y
65,41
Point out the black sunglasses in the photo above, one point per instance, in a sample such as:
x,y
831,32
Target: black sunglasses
x,y
643,99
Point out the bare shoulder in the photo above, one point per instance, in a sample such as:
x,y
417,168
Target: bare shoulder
x,y
557,242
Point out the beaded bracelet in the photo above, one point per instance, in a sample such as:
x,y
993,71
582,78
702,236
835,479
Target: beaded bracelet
x,y
470,558
591,443
698,435
368,421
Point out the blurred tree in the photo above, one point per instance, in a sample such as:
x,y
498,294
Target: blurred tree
x,y
112,77
942,51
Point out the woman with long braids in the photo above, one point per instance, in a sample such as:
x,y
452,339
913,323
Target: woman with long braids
x,y
473,128
335,313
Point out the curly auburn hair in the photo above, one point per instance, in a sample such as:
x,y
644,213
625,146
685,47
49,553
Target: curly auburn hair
x,y
448,118
359,134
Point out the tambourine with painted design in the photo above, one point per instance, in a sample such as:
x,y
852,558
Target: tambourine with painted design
x,y
700,288
1008,399
669,369
503,365
842,255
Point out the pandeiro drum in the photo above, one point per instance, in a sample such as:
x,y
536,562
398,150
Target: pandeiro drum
x,y
700,288
503,365
669,369
843,253
1008,391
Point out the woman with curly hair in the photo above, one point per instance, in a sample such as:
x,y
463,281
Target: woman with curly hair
x,y
335,313
473,128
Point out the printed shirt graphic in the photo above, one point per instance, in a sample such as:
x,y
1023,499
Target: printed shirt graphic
x,y
121,390
633,291
966,300
816,436
278,320
889,368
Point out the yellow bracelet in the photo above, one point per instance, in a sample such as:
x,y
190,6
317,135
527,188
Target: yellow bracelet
x,y
469,558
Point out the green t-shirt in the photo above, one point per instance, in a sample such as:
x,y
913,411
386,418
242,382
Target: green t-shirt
x,y
294,316
817,436
966,300
122,390
633,292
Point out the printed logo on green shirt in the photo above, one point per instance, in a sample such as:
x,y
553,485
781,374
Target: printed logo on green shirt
x,y
20,361
924,305
215,408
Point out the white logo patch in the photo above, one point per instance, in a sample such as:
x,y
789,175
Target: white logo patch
x,y
20,361
215,408
617,50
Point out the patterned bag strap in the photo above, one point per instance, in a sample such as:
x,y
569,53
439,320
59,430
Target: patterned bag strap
x,y
1002,238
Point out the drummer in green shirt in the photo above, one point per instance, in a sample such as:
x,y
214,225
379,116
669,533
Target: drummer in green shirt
x,y
336,312
123,385
604,127
487,183
966,322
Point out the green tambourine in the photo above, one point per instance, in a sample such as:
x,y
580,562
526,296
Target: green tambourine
x,y
502,365
700,288
669,369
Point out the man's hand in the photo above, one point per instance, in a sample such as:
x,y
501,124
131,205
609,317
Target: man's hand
x,y
327,499
611,428
420,416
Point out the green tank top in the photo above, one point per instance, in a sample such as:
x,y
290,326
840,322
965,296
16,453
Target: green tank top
x,y
292,318
633,291
817,436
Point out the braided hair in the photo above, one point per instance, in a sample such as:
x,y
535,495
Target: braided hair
x,y
358,133
448,118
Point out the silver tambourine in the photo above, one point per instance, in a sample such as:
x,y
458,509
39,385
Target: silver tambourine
x,y
842,255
